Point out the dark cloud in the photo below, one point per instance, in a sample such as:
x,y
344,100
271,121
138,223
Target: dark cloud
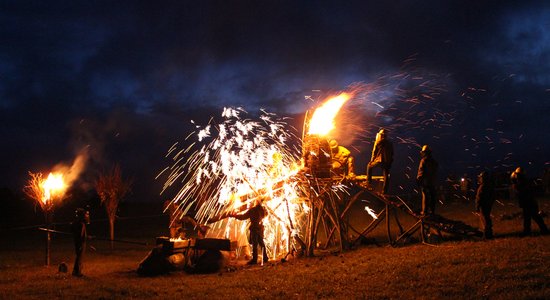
x,y
124,78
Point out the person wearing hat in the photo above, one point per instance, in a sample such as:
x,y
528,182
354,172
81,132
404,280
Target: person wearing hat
x,y
78,228
382,156
485,197
342,161
426,179
527,202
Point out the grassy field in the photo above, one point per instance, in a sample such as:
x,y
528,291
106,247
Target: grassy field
x,y
508,267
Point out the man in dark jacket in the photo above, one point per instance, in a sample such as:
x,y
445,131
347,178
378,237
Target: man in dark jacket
x,y
78,228
426,179
256,214
382,156
527,202
485,197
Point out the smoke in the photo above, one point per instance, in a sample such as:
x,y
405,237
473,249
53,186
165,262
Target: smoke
x,y
72,172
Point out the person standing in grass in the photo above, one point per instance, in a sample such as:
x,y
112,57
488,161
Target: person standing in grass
x,y
78,228
485,197
527,202
256,213
426,179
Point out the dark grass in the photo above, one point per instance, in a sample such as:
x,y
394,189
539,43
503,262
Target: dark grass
x,y
508,267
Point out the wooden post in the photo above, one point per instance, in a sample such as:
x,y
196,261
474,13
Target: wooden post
x,y
388,223
47,214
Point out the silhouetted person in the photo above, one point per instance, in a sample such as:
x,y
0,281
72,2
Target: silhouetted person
x,y
382,156
527,202
485,197
78,228
255,214
465,186
342,161
426,179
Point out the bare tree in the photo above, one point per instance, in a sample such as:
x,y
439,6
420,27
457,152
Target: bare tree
x,y
34,190
111,189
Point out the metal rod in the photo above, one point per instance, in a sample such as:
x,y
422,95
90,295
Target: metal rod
x,y
94,237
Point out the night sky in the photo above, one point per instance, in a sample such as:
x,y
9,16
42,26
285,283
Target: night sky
x,y
122,80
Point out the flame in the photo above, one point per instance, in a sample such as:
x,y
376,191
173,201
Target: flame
x,y
322,121
54,187
48,191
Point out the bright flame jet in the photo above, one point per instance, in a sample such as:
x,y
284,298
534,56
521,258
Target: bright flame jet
x,y
322,121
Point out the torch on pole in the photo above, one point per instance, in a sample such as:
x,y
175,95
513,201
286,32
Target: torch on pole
x,y
46,191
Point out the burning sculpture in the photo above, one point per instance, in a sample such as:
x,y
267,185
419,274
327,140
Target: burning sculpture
x,y
242,162
245,162
238,163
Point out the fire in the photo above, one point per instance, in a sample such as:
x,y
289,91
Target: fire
x,y
241,162
48,191
235,165
322,121
54,187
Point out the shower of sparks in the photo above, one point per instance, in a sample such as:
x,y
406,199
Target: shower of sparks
x,y
233,165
